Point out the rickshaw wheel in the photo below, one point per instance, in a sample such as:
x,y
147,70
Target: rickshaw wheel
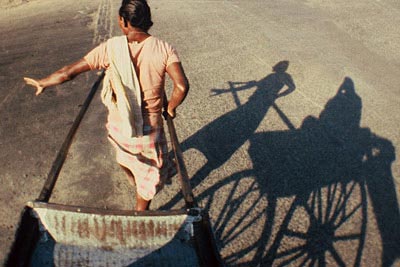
x,y
332,232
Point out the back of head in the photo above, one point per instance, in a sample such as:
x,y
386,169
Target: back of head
x,y
136,13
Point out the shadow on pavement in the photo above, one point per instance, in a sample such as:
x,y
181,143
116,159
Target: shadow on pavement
x,y
325,170
222,137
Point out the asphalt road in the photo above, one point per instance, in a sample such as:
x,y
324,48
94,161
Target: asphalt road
x,y
310,177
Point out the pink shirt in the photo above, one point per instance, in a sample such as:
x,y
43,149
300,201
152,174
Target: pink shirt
x,y
151,58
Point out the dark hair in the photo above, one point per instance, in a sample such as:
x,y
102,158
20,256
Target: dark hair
x,y
137,13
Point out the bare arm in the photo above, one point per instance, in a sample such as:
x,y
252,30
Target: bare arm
x,y
181,87
64,74
288,81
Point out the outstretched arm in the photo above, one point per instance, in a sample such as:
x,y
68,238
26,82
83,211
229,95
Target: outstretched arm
x,y
288,81
181,87
233,87
62,75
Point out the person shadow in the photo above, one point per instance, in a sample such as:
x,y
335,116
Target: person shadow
x,y
327,172
219,139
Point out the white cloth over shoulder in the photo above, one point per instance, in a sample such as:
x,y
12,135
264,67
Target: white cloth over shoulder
x,y
121,79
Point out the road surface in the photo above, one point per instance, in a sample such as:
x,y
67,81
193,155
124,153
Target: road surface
x,y
311,176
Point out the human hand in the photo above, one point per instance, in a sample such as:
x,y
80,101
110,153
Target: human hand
x,y
171,113
34,83
168,113
215,92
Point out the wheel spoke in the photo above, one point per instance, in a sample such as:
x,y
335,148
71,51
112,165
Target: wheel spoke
x,y
291,251
330,198
336,210
230,236
303,263
296,234
344,197
319,199
313,260
294,257
224,214
272,252
348,216
220,219
321,260
310,210
346,237
329,204
312,203
336,256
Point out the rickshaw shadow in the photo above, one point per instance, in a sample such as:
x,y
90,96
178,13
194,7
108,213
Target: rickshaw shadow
x,y
324,172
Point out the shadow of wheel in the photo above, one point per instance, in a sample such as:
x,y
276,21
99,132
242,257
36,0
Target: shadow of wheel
x,y
238,206
332,232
